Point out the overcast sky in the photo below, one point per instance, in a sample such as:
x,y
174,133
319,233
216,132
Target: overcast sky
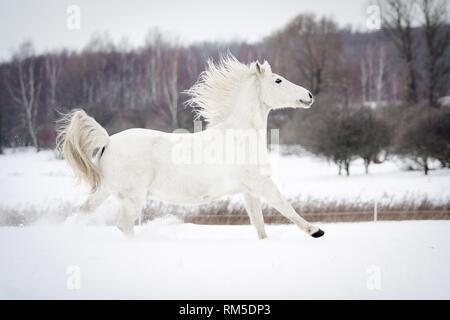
x,y
45,21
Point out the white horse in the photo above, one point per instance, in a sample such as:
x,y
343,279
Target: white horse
x,y
235,100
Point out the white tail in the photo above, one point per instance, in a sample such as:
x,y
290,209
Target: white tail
x,y
79,135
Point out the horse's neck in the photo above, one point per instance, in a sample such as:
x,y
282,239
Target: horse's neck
x,y
247,111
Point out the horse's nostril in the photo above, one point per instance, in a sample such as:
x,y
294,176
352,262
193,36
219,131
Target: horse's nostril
x,y
310,95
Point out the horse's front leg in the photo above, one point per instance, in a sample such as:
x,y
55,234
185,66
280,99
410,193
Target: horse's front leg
x,y
266,188
253,207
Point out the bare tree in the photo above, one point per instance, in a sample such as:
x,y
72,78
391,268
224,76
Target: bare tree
x,y
170,84
193,66
373,72
26,94
155,44
52,72
1,133
380,75
398,18
364,79
347,87
437,35
162,74
314,45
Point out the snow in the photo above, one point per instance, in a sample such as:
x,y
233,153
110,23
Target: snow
x,y
171,260
30,178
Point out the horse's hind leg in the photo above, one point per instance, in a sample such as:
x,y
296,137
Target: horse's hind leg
x,y
253,207
80,216
94,200
130,209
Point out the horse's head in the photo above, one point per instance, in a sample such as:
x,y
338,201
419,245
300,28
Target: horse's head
x,y
277,92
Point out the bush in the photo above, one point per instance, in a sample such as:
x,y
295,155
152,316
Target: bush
x,y
341,134
375,136
425,134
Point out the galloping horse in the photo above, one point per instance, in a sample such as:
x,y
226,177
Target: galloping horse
x,y
191,168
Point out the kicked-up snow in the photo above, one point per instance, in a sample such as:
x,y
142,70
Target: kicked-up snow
x,y
171,260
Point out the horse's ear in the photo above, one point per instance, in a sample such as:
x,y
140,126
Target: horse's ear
x,y
266,66
259,68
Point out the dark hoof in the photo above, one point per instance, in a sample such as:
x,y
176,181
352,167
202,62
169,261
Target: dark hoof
x,y
318,233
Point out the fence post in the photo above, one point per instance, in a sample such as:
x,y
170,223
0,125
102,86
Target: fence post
x,y
375,211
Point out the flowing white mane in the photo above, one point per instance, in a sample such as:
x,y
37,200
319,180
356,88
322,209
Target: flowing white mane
x,y
212,96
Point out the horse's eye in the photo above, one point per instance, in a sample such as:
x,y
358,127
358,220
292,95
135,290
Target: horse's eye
x,y
278,81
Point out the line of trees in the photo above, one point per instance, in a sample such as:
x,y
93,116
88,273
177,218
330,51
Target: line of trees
x,y
119,86
395,108
365,83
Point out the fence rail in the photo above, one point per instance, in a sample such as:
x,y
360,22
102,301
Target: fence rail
x,y
326,217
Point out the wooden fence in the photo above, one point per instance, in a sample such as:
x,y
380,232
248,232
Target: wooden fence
x,y
325,217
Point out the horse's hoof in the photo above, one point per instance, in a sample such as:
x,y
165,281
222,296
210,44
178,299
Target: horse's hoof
x,y
318,233
129,233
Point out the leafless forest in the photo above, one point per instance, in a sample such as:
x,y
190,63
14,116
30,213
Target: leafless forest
x,y
377,93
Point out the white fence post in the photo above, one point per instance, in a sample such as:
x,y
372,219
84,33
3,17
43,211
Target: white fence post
x,y
375,211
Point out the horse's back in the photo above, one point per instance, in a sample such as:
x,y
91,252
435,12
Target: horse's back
x,y
137,141
136,134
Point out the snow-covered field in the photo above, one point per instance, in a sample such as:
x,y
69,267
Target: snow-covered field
x,y
170,260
